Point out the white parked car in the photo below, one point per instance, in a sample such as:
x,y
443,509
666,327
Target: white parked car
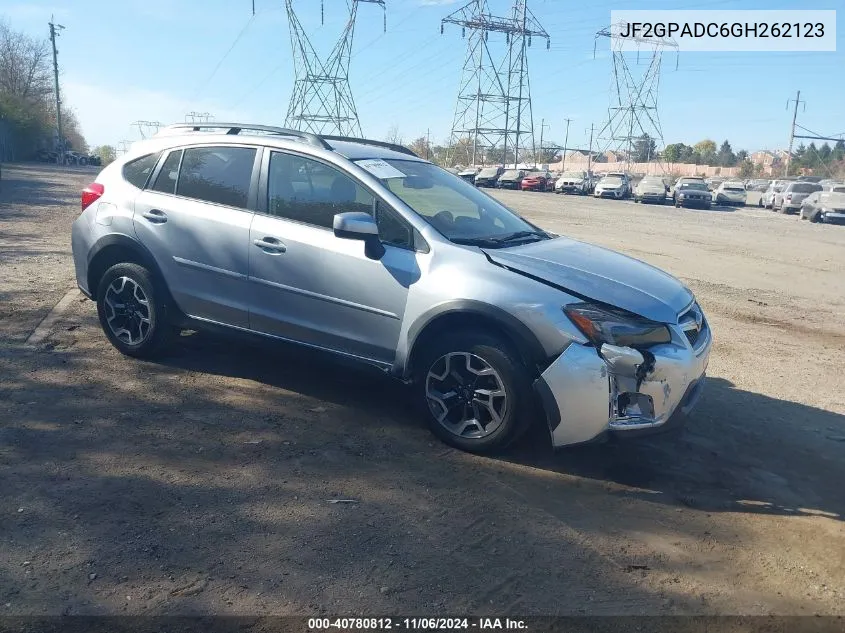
x,y
651,189
611,187
768,197
730,192
573,182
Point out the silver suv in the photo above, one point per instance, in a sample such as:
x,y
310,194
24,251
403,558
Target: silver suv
x,y
363,249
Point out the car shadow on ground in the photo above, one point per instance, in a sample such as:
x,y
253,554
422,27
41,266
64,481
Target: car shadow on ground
x,y
729,456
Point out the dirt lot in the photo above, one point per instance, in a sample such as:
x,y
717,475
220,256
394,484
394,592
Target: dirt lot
x,y
204,483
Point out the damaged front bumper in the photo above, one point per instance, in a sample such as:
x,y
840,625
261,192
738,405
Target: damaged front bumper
x,y
587,393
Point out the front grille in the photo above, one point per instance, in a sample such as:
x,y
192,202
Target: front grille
x,y
694,325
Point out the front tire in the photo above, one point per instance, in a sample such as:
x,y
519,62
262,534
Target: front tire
x,y
474,391
131,308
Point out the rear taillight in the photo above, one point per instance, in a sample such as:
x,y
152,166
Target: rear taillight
x,y
789,196
91,193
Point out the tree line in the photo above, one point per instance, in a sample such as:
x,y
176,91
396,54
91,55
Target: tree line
x,y
27,99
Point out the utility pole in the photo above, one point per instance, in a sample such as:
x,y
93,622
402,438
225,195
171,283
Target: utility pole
x,y
428,144
590,152
543,127
53,36
792,132
565,143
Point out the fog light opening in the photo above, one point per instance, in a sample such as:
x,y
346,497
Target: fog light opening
x,y
634,405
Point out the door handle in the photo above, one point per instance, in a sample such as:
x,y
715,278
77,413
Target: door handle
x,y
155,216
270,245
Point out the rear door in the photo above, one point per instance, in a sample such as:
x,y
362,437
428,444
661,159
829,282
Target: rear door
x,y
194,217
308,285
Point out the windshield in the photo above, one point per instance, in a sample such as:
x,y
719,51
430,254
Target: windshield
x,y
511,173
455,208
694,185
573,174
611,181
652,182
488,172
733,188
536,174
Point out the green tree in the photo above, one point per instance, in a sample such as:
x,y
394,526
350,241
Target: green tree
x,y
673,153
746,169
106,153
644,149
741,156
420,147
838,151
705,152
726,157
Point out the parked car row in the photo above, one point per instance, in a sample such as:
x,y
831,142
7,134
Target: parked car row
x,y
68,158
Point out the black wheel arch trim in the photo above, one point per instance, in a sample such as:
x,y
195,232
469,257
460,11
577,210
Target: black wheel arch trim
x,y
529,344
123,241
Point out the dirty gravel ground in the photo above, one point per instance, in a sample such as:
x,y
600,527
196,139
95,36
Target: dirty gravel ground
x,y
203,483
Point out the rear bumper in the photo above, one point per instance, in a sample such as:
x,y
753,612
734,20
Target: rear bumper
x,y
586,393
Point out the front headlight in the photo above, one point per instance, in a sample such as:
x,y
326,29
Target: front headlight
x,y
602,324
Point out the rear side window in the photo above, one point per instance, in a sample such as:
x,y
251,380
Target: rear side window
x,y
805,187
167,176
137,172
217,174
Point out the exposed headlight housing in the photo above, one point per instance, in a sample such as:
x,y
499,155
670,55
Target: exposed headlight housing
x,y
602,324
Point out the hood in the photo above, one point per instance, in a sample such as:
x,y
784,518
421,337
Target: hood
x,y
601,275
610,185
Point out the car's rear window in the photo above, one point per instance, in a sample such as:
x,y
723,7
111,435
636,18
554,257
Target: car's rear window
x,y
805,187
137,172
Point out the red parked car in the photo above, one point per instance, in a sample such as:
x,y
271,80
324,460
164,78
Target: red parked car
x,y
538,181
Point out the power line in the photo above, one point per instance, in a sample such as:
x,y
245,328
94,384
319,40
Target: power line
x,y
223,59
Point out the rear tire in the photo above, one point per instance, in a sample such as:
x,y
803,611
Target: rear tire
x,y
474,391
131,308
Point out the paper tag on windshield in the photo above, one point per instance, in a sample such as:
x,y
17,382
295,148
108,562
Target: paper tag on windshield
x,y
379,168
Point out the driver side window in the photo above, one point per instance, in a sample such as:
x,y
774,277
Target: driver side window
x,y
312,192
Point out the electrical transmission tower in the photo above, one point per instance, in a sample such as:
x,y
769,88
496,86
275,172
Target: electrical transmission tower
x,y
632,115
321,101
493,113
147,128
198,117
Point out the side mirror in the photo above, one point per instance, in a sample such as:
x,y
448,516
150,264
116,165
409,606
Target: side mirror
x,y
355,225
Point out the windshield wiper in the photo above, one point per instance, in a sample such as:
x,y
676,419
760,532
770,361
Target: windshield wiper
x,y
498,241
519,235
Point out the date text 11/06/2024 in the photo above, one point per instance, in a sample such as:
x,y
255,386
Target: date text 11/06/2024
x,y
436,624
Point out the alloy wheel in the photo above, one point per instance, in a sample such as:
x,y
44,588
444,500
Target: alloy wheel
x,y
127,311
466,395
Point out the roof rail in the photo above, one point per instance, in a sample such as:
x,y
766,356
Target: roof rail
x,y
364,141
237,128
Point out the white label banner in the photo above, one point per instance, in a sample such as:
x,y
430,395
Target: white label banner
x,y
740,30
379,168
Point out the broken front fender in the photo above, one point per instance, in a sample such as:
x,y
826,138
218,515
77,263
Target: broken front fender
x,y
587,392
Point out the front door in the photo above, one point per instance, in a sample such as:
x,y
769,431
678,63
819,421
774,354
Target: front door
x,y
194,219
315,288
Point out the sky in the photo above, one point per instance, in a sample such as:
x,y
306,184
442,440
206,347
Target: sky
x,y
156,60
